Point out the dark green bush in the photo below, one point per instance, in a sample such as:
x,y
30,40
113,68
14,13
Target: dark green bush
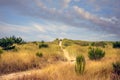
x,y
96,54
116,44
116,67
80,64
7,42
39,54
43,45
17,40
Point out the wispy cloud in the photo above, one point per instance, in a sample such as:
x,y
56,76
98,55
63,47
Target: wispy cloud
x,y
63,15
39,27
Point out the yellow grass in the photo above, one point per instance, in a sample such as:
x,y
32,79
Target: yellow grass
x,y
65,71
24,57
94,70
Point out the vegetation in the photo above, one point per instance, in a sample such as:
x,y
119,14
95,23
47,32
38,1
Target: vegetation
x,y
116,67
1,51
82,43
17,40
39,54
80,64
7,43
96,54
43,45
53,66
27,57
56,41
67,42
99,44
116,44
116,71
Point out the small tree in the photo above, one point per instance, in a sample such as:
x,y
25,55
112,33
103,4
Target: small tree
x,y
80,64
96,54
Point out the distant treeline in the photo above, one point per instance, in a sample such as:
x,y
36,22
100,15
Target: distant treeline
x,y
7,42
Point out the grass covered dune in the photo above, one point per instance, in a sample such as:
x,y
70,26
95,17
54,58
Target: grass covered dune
x,y
48,61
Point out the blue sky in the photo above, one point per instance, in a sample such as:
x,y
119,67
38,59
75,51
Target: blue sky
x,y
36,20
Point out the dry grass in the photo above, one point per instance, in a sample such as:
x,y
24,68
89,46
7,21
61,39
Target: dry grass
x,y
65,71
24,57
95,70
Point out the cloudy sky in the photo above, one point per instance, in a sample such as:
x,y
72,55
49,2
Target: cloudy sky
x,y
49,19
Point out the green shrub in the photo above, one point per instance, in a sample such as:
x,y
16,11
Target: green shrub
x,y
80,64
96,54
17,40
116,44
7,42
116,67
43,45
39,54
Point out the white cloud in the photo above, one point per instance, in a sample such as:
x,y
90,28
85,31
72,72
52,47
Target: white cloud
x,y
111,20
6,27
82,13
65,3
62,12
39,27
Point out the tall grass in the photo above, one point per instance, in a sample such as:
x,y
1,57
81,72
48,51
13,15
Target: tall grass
x,y
25,58
95,70
26,55
99,71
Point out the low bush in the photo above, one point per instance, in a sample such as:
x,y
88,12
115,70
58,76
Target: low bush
x,y
116,67
39,54
7,42
43,45
96,54
80,64
116,45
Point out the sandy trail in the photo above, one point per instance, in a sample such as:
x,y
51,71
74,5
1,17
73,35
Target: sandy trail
x,y
66,54
17,75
